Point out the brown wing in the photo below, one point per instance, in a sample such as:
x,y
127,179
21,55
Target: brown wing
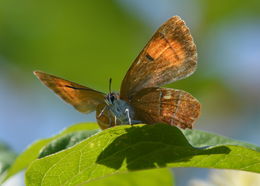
x,y
105,117
82,98
165,105
169,56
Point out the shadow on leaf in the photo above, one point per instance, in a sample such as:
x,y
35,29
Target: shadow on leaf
x,y
150,146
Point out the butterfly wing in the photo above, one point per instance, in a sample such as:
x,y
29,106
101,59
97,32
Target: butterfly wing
x,y
165,105
105,117
170,55
82,98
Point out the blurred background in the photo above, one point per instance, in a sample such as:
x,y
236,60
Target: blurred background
x,y
90,41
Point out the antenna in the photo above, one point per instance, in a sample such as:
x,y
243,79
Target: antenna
x,y
110,82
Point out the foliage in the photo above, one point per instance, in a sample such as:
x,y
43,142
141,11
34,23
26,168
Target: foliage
x,y
152,177
123,149
32,152
7,157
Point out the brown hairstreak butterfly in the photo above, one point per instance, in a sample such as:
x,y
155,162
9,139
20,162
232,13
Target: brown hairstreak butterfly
x,y
169,56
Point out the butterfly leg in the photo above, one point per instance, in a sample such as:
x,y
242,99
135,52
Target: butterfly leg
x,y
115,118
128,116
102,111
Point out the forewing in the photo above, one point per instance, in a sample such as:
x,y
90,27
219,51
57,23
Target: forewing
x,y
82,98
170,55
165,105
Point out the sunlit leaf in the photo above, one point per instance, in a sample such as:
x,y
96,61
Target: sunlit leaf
x,y
126,148
152,177
32,152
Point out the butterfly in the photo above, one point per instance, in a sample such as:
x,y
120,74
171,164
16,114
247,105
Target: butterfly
x,y
169,56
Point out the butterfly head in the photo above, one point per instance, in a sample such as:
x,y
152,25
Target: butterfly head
x,y
111,97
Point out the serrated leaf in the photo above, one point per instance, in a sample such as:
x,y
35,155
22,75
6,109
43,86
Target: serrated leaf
x,y
126,148
32,152
152,177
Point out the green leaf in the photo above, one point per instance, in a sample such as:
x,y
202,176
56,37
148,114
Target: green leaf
x,y
7,157
32,152
65,142
128,148
199,138
152,177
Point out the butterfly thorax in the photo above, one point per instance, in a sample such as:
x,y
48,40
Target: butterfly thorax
x,y
115,112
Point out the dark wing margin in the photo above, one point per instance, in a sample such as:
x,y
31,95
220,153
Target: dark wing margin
x,y
170,55
165,105
82,98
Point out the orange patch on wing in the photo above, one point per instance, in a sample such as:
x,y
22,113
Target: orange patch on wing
x,y
156,47
174,55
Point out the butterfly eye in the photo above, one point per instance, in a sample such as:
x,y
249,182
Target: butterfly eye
x,y
112,98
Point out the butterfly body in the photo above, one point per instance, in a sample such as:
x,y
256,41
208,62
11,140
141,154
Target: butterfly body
x,y
115,112
169,56
123,112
